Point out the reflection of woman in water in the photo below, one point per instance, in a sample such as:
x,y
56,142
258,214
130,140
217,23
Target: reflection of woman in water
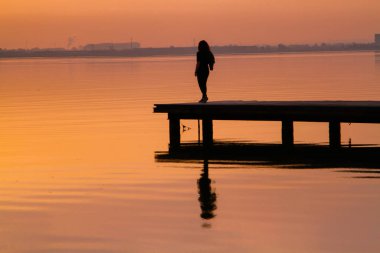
x,y
207,197
205,60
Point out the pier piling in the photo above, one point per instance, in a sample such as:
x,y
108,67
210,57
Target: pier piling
x,y
174,132
207,131
287,133
334,134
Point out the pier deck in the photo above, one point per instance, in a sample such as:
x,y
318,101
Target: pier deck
x,y
333,112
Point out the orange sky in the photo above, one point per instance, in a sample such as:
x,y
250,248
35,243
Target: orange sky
x,y
49,23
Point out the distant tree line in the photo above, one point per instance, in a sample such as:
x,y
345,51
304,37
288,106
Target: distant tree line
x,y
172,50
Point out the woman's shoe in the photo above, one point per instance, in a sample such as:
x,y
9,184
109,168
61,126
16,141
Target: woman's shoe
x,y
203,100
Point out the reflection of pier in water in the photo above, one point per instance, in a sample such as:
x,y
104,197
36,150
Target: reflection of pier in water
x,y
358,158
362,162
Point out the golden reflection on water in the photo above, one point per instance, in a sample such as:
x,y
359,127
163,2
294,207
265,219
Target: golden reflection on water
x,y
77,168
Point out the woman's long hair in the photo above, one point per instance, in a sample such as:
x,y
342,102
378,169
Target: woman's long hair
x,y
203,46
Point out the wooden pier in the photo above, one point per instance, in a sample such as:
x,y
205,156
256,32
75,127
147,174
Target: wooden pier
x,y
333,112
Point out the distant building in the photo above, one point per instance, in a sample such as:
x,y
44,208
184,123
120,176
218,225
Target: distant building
x,y
111,46
377,39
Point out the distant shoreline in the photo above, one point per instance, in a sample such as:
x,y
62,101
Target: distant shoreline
x,y
186,51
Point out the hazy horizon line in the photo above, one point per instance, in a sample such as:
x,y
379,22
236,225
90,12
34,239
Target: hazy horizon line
x,y
78,47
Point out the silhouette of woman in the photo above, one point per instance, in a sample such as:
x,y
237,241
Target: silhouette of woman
x,y
205,60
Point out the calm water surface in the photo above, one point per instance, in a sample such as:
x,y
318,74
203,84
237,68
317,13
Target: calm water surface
x,y
77,159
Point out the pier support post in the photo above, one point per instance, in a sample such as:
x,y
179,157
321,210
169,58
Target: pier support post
x,y
287,133
334,134
174,132
207,132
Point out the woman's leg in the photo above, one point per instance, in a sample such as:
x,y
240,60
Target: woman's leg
x,y
202,82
